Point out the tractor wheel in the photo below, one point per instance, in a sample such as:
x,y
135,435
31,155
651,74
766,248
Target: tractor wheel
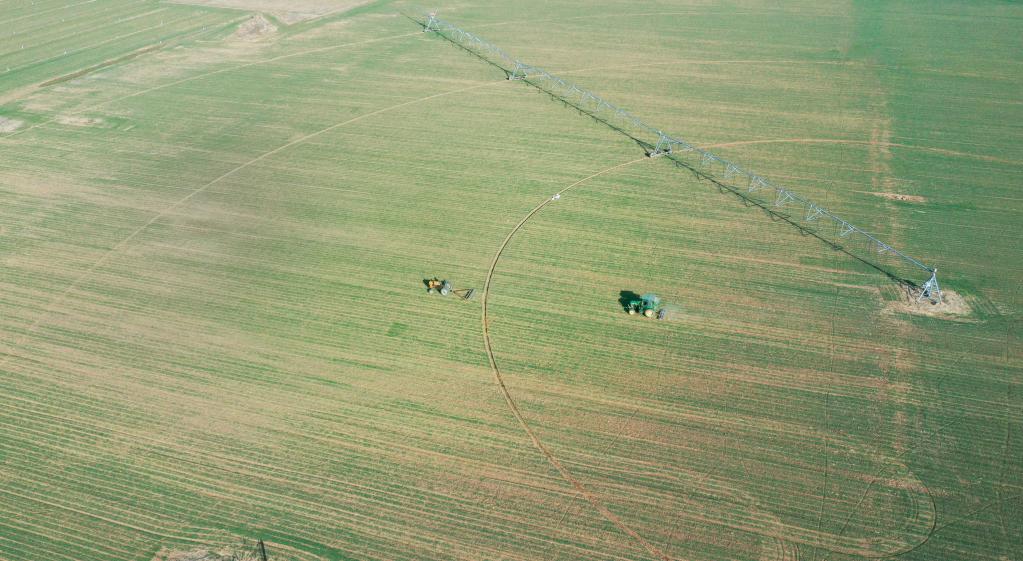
x,y
632,312
429,290
444,291
648,313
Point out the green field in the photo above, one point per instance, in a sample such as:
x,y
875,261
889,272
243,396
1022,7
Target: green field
x,y
214,231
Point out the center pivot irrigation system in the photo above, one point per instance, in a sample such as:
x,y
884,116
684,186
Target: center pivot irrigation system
x,y
734,176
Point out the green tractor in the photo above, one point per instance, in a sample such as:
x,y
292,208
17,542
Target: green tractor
x,y
649,305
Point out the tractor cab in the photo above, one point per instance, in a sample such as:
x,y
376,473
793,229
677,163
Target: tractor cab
x,y
437,285
647,305
443,287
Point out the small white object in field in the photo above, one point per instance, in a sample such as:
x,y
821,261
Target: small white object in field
x,y
556,196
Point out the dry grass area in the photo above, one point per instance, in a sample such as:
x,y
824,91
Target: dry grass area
x,y
900,197
10,125
255,28
238,550
952,305
205,554
286,11
78,121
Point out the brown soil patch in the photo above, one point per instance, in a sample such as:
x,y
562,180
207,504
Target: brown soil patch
x,y
255,28
233,553
900,197
10,125
40,186
286,11
907,485
76,121
952,305
15,94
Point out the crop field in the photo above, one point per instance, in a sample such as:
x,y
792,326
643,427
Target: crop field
x,y
215,225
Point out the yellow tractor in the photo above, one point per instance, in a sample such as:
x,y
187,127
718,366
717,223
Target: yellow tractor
x,y
437,285
443,287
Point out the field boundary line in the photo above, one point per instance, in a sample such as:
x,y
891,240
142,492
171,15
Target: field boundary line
x,y
240,67
162,44
943,151
68,52
824,487
208,74
591,497
41,12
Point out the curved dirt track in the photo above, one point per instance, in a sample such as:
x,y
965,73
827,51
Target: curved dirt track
x,y
565,474
591,497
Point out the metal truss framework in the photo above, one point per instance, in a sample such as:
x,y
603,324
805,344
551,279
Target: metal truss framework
x,y
711,165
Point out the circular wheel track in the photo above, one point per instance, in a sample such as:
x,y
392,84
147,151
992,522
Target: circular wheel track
x,y
590,496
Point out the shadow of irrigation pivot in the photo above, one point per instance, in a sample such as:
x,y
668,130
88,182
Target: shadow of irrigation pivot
x,y
644,145
778,216
647,148
724,188
507,73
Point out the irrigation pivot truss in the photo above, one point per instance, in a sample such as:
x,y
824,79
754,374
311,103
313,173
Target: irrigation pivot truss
x,y
753,186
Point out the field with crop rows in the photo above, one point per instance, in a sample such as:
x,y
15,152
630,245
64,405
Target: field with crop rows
x,y
215,226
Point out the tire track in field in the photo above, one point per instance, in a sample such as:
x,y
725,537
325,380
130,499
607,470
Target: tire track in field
x,y
62,296
824,486
591,497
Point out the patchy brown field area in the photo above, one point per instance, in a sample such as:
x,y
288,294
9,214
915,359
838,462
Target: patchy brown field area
x,y
9,125
901,197
287,11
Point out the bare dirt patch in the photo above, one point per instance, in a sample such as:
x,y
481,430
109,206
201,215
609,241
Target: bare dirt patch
x,y
255,28
76,121
10,125
43,186
206,554
900,197
240,550
286,11
952,305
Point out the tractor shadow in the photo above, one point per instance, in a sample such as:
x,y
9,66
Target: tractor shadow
x,y
782,217
626,296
